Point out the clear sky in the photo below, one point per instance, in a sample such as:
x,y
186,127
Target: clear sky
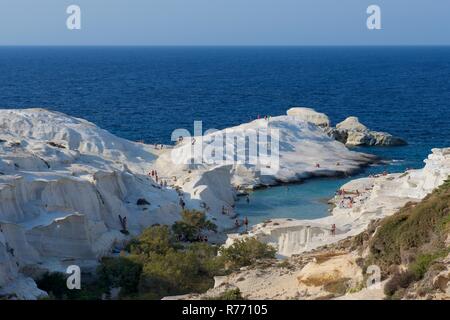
x,y
224,22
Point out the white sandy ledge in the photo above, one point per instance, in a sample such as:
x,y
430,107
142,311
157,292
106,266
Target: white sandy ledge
x,y
378,197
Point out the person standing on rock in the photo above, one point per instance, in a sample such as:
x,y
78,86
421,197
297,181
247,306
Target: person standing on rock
x,y
333,229
124,220
182,203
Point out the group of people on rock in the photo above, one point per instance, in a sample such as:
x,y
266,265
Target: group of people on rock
x,y
266,117
159,146
244,222
199,238
181,138
342,192
154,175
348,198
346,202
385,173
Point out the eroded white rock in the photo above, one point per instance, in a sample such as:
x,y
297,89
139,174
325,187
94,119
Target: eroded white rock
x,y
63,184
353,133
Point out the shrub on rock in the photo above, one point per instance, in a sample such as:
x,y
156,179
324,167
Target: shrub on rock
x,y
246,252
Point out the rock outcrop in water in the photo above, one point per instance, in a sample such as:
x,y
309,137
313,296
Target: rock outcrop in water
x,y
310,115
351,132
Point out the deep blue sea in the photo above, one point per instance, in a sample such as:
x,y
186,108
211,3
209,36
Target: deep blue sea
x,y
144,93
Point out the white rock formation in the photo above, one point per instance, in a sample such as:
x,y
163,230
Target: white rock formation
x,y
310,115
353,133
350,131
304,151
63,184
364,200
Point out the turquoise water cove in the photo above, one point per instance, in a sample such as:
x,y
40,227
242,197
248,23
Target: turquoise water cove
x,y
309,200
296,201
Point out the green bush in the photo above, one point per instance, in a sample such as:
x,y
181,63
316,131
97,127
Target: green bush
x,y
174,273
423,261
211,264
191,224
119,272
413,230
246,252
155,239
185,231
180,272
55,284
232,294
158,266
